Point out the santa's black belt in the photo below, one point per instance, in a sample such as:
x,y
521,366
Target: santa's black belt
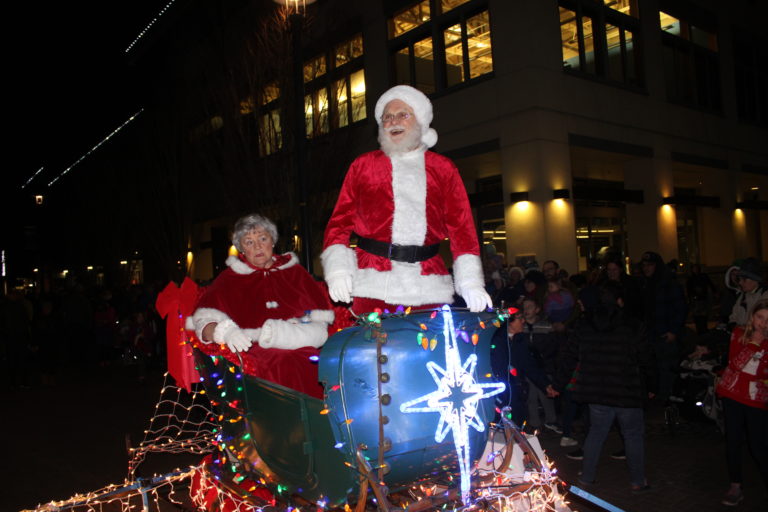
x,y
395,252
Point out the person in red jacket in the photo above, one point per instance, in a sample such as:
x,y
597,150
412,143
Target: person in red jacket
x,y
402,201
744,392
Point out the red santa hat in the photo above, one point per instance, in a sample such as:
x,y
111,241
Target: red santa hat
x,y
420,104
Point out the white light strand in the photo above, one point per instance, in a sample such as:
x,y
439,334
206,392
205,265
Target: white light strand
x,y
149,25
456,379
32,177
94,148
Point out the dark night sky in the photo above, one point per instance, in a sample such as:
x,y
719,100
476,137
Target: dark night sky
x,y
71,82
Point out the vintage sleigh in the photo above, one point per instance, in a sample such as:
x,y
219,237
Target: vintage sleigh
x,y
378,425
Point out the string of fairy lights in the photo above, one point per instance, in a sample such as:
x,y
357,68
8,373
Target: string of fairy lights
x,y
97,146
188,422
140,35
149,25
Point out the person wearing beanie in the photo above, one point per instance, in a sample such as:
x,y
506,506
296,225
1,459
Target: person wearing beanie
x,y
400,202
752,288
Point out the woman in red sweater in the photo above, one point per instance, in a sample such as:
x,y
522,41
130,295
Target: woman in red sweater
x,y
744,392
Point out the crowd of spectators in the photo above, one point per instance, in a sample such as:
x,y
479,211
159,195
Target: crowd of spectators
x,y
75,328
609,342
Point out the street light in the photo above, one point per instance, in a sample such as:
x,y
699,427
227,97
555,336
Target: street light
x,y
297,9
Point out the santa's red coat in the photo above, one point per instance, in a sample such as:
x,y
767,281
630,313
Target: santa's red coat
x,y
423,202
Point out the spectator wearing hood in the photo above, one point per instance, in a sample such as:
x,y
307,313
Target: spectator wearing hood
x,y
614,377
752,289
665,312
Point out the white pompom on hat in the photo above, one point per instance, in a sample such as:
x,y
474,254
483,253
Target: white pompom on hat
x,y
420,104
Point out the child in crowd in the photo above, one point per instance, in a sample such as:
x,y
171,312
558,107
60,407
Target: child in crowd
x,y
559,303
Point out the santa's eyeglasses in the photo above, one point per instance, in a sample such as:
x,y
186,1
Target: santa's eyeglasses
x,y
400,116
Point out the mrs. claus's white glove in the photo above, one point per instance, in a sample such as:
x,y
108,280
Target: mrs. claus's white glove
x,y
235,338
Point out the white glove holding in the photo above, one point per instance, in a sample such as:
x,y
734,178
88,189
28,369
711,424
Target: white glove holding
x,y
233,336
340,287
477,299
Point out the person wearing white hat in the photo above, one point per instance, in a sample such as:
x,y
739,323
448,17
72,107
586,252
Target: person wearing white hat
x,y
401,201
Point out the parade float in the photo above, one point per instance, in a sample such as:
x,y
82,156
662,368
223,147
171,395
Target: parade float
x,y
406,422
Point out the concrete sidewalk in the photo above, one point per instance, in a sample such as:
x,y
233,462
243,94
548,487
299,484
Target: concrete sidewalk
x,y
687,471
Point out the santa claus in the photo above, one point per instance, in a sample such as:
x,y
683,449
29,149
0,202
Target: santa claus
x,y
401,201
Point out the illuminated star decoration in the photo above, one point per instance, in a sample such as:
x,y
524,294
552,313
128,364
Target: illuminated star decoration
x,y
456,399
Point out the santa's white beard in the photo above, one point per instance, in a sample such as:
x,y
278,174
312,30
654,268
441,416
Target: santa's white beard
x,y
411,140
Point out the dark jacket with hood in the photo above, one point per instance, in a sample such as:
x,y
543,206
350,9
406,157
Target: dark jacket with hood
x,y
610,354
664,304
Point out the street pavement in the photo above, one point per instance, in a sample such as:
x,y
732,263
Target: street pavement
x,y
72,438
686,468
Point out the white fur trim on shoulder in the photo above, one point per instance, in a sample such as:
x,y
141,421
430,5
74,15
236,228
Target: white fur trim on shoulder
x,y
293,260
239,267
338,260
202,317
468,272
404,284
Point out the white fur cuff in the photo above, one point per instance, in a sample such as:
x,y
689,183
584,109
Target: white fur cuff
x,y
467,273
203,317
338,260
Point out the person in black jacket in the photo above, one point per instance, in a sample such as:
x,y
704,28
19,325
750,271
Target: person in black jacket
x,y
512,363
664,311
613,377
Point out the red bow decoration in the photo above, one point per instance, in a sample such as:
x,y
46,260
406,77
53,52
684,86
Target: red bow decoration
x,y
175,305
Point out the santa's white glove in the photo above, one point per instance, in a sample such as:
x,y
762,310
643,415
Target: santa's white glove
x,y
477,299
228,332
340,287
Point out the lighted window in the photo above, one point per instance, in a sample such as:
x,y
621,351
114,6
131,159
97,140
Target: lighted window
x,y
625,6
577,41
447,5
409,18
314,68
479,45
453,46
348,50
357,81
341,95
270,135
316,110
669,24
246,106
569,37
600,40
690,57
335,97
454,55
270,93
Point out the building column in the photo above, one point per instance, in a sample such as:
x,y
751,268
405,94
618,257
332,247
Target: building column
x,y
651,226
542,225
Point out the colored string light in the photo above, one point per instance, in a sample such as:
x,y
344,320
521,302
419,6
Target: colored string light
x,y
455,399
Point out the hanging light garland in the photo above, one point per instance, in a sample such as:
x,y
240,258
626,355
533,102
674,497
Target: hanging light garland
x,y
94,148
149,25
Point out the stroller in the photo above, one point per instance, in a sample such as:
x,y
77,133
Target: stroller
x,y
697,379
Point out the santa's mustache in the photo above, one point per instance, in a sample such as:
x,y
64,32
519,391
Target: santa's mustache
x,y
391,129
